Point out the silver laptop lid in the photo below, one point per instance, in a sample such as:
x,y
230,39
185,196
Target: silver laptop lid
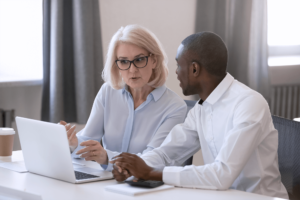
x,y
45,149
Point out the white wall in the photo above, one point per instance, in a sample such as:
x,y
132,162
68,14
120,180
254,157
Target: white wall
x,y
25,100
170,20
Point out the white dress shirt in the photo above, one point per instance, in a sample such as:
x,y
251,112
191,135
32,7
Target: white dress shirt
x,y
125,129
234,129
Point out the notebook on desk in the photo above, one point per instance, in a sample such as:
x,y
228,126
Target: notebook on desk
x,y
132,190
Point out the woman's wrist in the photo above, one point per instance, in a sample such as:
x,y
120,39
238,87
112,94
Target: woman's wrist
x,y
103,159
73,145
106,158
72,148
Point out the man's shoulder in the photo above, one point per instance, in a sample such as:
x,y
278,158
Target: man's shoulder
x,y
245,95
248,102
244,91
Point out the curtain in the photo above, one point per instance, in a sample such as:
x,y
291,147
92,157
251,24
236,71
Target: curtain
x,y
243,27
72,59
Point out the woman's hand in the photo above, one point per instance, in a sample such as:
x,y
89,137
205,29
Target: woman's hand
x,y
71,133
93,151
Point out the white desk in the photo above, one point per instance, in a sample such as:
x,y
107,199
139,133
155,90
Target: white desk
x,y
51,189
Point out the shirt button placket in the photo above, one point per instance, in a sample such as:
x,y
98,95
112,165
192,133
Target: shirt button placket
x,y
208,123
211,128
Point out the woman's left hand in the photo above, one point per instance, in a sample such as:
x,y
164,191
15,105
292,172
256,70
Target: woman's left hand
x,y
93,151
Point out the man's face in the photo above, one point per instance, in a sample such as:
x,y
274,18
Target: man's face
x,y
182,70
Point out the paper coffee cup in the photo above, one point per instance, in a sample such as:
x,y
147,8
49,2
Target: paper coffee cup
x,y
6,141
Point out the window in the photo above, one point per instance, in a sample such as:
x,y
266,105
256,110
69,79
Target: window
x,y
284,32
21,56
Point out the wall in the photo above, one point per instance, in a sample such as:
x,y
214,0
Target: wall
x,y
25,100
170,20
285,75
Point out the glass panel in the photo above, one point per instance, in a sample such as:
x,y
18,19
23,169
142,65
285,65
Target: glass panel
x,y
21,55
283,22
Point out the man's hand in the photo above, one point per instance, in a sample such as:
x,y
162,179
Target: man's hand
x,y
120,175
135,166
93,151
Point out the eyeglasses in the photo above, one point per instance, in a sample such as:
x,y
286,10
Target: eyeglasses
x,y
140,62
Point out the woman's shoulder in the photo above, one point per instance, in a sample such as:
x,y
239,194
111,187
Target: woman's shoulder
x,y
171,97
107,90
171,103
106,86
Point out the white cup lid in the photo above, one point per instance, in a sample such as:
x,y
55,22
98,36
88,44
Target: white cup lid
x,y
7,131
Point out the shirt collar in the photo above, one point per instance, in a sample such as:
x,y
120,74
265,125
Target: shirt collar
x,y
125,89
220,89
156,93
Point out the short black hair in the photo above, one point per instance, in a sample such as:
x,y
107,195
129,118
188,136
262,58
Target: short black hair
x,y
208,50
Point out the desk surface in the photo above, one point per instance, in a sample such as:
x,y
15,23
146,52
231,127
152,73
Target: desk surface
x,y
51,189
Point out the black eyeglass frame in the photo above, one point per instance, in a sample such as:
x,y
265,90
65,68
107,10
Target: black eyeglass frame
x,y
132,61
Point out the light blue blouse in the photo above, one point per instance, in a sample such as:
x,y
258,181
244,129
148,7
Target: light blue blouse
x,y
123,129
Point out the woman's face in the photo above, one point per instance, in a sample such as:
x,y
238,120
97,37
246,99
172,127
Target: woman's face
x,y
135,77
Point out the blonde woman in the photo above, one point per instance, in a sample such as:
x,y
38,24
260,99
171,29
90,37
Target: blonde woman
x,y
134,111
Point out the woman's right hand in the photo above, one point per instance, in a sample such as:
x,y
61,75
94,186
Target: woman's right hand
x,y
71,133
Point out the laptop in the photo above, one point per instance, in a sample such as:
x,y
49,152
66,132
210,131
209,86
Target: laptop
x,y
46,152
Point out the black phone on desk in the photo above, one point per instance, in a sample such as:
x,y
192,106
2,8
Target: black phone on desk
x,y
144,183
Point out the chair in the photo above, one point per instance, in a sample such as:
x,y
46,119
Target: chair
x,y
6,118
289,154
190,104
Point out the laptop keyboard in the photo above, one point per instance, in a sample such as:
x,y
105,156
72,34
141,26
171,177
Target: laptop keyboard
x,y
81,175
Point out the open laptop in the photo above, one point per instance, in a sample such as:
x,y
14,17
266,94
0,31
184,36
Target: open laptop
x,y
46,152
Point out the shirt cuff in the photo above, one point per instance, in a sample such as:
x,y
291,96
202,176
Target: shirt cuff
x,y
73,154
72,149
171,175
110,155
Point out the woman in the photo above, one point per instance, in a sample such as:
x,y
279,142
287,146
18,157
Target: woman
x,y
133,111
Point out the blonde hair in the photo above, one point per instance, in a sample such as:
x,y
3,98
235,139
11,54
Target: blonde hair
x,y
142,37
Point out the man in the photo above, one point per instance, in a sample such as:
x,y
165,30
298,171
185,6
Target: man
x,y
231,123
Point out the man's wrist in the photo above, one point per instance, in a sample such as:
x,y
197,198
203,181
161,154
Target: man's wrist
x,y
155,175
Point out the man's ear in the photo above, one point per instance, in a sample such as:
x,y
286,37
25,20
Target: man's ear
x,y
196,69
